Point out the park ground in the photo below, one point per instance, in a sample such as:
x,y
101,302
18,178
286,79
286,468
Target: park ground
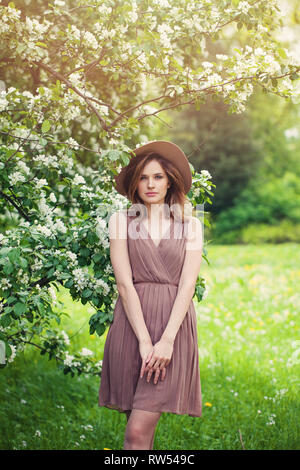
x,y
249,354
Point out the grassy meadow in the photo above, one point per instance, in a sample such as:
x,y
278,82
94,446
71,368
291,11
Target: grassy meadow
x,y
249,345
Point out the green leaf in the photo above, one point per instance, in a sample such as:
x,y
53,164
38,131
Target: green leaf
x,y
282,53
43,142
97,257
85,252
20,308
14,255
100,329
69,284
8,350
92,329
41,307
87,293
125,158
113,155
46,126
8,268
23,262
41,44
92,238
5,320
152,61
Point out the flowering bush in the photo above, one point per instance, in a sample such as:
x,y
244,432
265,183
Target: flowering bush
x,y
95,70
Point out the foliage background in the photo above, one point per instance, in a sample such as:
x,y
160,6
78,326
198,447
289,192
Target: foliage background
x,y
81,84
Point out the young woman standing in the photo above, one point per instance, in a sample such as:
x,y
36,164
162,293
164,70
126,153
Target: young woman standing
x,y
151,360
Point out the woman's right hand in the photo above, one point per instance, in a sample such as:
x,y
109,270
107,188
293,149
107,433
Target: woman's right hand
x,y
146,352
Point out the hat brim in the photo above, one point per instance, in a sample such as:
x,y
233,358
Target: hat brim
x,y
166,149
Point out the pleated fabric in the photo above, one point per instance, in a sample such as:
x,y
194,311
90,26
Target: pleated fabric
x,y
156,273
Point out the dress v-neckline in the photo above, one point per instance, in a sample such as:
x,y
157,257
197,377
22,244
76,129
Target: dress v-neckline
x,y
167,232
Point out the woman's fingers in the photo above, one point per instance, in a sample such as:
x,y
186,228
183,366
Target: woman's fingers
x,y
157,372
154,362
163,373
160,369
157,364
143,368
145,360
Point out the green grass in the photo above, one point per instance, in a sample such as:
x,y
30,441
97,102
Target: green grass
x,y
248,331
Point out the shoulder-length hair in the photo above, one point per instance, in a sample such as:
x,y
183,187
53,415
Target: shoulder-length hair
x,y
179,206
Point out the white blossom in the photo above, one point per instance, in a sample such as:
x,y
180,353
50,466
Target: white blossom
x,y
79,180
16,177
13,355
66,337
68,360
52,197
86,352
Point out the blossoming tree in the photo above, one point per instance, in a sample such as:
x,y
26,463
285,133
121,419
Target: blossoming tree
x,y
78,81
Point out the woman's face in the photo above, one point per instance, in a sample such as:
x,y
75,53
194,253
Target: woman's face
x,y
153,180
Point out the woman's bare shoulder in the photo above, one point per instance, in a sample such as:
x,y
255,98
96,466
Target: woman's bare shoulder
x,y
117,224
122,213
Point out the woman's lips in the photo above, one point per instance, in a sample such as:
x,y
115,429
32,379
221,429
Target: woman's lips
x,y
151,194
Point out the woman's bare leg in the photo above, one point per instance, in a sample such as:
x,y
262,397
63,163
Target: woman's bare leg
x,y
152,440
140,429
128,413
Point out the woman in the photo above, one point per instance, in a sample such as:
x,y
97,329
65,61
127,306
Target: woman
x,y
150,362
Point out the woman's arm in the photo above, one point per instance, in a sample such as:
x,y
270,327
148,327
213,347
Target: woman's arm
x,y
163,349
122,269
188,278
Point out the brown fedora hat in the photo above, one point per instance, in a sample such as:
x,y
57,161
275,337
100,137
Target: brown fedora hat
x,y
167,150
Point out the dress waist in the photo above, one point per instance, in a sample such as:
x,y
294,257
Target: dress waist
x,y
154,282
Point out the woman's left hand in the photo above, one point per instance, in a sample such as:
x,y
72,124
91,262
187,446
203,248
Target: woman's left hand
x,y
161,357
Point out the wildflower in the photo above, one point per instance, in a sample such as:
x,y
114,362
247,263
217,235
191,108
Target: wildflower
x,y
207,404
87,427
271,420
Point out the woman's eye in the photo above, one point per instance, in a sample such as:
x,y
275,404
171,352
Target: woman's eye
x,y
157,176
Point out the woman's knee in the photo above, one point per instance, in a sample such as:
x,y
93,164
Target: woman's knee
x,y
141,426
135,432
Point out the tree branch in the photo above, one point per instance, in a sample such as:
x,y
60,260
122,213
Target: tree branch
x,y
72,87
19,209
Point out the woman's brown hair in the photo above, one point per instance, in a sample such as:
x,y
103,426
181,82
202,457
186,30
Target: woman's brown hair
x,y
175,196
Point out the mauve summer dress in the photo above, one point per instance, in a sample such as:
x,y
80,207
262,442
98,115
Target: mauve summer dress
x,y
156,273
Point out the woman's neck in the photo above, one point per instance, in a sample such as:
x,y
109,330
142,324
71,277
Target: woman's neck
x,y
156,211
